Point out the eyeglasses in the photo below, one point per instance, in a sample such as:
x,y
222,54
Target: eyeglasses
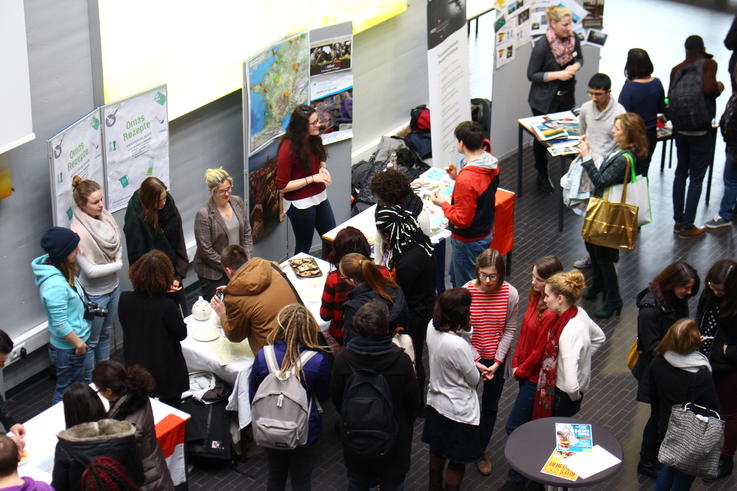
x,y
488,277
223,192
598,94
314,123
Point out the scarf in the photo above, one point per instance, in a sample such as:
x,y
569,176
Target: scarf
x,y
543,407
99,239
403,232
534,336
691,362
375,346
562,49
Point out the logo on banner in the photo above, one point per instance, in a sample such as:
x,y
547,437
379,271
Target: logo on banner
x,y
95,123
160,98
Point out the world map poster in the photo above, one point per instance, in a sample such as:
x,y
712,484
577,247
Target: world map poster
x,y
277,80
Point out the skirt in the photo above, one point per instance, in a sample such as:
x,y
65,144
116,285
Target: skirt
x,y
454,441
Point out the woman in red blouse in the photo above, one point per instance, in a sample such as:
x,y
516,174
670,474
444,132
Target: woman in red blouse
x,y
302,176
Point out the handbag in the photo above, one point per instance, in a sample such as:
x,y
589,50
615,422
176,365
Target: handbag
x,y
611,224
404,341
633,356
693,442
638,194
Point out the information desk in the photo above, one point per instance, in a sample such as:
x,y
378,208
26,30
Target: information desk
x,y
42,429
529,447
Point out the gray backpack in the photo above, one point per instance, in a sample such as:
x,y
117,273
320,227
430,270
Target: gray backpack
x,y
281,407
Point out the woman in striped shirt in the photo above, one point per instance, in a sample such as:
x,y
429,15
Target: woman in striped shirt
x,y
493,322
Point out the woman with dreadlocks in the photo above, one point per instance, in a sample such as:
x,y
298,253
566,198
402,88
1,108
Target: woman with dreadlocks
x,y
107,474
295,331
409,256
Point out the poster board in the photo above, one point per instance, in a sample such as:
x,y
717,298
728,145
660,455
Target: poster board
x,y
75,151
136,143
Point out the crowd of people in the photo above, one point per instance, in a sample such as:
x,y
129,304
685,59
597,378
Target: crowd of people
x,y
462,347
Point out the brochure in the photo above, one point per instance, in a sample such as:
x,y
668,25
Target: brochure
x,y
554,467
588,464
573,437
550,130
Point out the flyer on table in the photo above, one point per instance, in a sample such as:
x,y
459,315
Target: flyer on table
x,y
571,437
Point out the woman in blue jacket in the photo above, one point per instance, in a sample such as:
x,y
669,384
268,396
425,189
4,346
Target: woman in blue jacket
x,y
64,302
295,331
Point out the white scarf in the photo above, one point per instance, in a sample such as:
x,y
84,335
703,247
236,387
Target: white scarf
x,y
99,238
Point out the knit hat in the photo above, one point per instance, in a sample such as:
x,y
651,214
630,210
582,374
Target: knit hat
x,y
59,242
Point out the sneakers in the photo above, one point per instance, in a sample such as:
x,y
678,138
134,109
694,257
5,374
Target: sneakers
x,y
583,263
484,465
691,232
717,222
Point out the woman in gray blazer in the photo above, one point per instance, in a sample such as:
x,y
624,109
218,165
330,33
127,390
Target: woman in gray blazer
x,y
554,62
221,222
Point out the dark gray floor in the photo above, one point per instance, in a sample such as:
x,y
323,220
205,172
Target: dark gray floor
x,y
611,399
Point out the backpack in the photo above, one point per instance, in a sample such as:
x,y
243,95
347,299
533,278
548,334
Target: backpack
x,y
369,425
688,107
281,408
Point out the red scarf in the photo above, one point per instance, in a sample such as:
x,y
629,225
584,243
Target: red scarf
x,y
562,49
546,383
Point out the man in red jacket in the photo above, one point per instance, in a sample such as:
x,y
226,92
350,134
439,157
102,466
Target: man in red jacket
x,y
470,213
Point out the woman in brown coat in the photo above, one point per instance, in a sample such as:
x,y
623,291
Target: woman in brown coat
x,y
128,391
221,222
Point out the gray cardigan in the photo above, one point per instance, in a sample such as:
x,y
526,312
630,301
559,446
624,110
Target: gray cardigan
x,y
542,61
211,235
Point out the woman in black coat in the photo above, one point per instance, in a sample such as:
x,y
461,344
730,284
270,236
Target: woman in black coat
x,y
679,374
555,59
660,305
153,326
410,257
372,348
717,318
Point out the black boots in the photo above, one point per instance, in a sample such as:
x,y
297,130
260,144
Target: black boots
x,y
543,184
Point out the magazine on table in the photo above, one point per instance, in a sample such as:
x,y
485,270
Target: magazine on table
x,y
554,467
572,437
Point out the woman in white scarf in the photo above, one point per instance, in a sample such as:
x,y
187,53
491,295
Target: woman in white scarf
x,y
100,259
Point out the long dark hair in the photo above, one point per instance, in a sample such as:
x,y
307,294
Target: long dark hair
x,y
299,137
81,405
546,267
150,193
348,240
638,64
723,272
673,276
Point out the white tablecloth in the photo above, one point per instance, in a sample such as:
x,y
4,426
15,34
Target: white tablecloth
x,y
42,429
310,289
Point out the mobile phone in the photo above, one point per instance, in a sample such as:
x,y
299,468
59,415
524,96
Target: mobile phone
x,y
219,294
707,337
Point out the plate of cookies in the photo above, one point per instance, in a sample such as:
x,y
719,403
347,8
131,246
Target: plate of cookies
x,y
305,267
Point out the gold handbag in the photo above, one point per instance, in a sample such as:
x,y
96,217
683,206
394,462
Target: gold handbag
x,y
611,224
633,356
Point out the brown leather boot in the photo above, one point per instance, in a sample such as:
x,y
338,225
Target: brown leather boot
x,y
484,465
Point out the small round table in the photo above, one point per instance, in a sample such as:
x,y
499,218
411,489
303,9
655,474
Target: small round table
x,y
530,446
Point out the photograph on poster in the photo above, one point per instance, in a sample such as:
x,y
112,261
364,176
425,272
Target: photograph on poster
x,y
522,35
330,55
523,16
580,33
539,22
499,23
514,5
445,18
595,8
504,54
596,37
335,112
264,200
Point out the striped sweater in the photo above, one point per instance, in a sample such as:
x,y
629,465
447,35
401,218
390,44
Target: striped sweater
x,y
494,320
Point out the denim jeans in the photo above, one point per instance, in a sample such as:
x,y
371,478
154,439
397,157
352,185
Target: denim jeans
x,y
463,259
520,414
304,222
695,154
726,208
70,368
670,478
363,481
100,328
490,403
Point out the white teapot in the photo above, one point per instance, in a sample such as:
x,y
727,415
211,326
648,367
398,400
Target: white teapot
x,y
201,309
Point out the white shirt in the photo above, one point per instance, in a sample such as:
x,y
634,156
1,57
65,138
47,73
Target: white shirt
x,y
580,338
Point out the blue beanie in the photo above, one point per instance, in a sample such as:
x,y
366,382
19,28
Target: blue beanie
x,y
59,242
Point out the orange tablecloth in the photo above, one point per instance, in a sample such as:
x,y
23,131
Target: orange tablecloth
x,y
503,240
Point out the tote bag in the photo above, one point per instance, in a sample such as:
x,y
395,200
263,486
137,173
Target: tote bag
x,y
638,194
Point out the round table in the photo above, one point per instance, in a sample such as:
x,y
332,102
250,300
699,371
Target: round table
x,y
530,446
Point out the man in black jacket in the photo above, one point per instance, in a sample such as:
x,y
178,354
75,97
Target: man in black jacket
x,y
371,349
8,422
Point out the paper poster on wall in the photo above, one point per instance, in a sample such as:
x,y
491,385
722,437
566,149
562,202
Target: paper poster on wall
x,y
448,76
331,55
504,52
74,151
6,183
136,137
335,114
330,83
595,19
264,200
596,37
277,80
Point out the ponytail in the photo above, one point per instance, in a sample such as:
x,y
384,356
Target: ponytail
x,y
357,267
110,374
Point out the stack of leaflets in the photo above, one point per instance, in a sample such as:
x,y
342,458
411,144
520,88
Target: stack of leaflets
x,y
558,129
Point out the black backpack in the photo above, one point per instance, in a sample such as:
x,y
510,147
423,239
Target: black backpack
x,y
369,425
688,107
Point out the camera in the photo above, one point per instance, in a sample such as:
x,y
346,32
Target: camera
x,y
92,310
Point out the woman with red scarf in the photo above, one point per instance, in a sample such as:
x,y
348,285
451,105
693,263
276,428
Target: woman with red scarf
x,y
573,337
555,59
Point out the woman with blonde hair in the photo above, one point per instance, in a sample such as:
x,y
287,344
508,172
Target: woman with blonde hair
x,y
629,134
222,221
100,258
679,374
554,61
573,338
295,332
368,283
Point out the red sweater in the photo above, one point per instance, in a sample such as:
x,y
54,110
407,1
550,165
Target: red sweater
x,y
533,335
288,169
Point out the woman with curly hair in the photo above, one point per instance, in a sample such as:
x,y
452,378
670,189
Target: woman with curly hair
x,y
153,326
302,175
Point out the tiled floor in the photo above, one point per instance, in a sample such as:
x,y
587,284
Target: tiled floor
x,y
611,399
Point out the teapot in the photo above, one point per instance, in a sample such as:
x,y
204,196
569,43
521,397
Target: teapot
x,y
201,309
